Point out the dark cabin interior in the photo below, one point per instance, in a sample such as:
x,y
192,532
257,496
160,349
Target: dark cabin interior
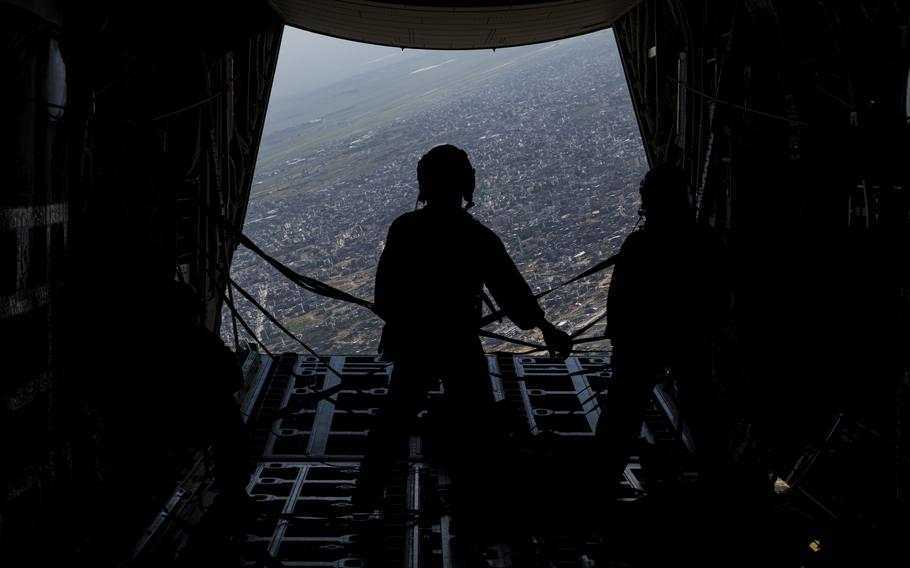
x,y
129,139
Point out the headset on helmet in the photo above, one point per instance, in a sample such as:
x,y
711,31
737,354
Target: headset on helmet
x,y
445,168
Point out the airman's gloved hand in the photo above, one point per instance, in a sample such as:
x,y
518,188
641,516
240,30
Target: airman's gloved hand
x,y
559,344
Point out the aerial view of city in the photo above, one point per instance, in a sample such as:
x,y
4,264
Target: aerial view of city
x,y
549,129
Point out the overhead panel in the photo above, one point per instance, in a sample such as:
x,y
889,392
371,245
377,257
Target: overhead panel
x,y
430,25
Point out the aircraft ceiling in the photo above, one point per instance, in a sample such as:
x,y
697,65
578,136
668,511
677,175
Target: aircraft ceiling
x,y
467,25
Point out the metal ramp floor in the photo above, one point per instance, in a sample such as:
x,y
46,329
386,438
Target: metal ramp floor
x,y
544,504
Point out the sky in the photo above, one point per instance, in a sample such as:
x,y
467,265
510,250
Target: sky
x,y
309,61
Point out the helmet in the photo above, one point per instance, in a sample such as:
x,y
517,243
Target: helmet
x,y
444,169
664,193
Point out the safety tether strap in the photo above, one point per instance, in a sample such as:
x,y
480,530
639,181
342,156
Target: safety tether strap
x,y
491,335
603,265
277,323
323,289
575,334
307,282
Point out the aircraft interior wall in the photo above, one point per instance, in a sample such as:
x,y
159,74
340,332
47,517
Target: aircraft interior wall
x,y
790,119
125,131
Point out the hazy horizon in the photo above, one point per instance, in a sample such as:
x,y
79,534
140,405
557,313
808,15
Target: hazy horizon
x,y
310,63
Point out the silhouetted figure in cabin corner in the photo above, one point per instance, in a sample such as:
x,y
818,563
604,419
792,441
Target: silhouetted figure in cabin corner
x,y
668,300
429,283
151,384
203,394
179,396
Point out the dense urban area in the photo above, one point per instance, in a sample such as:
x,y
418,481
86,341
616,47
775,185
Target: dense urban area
x,y
552,135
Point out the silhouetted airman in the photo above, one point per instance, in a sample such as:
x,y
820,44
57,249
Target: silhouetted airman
x,y
669,298
429,283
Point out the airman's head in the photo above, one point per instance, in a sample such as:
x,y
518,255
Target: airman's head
x,y
445,177
665,195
